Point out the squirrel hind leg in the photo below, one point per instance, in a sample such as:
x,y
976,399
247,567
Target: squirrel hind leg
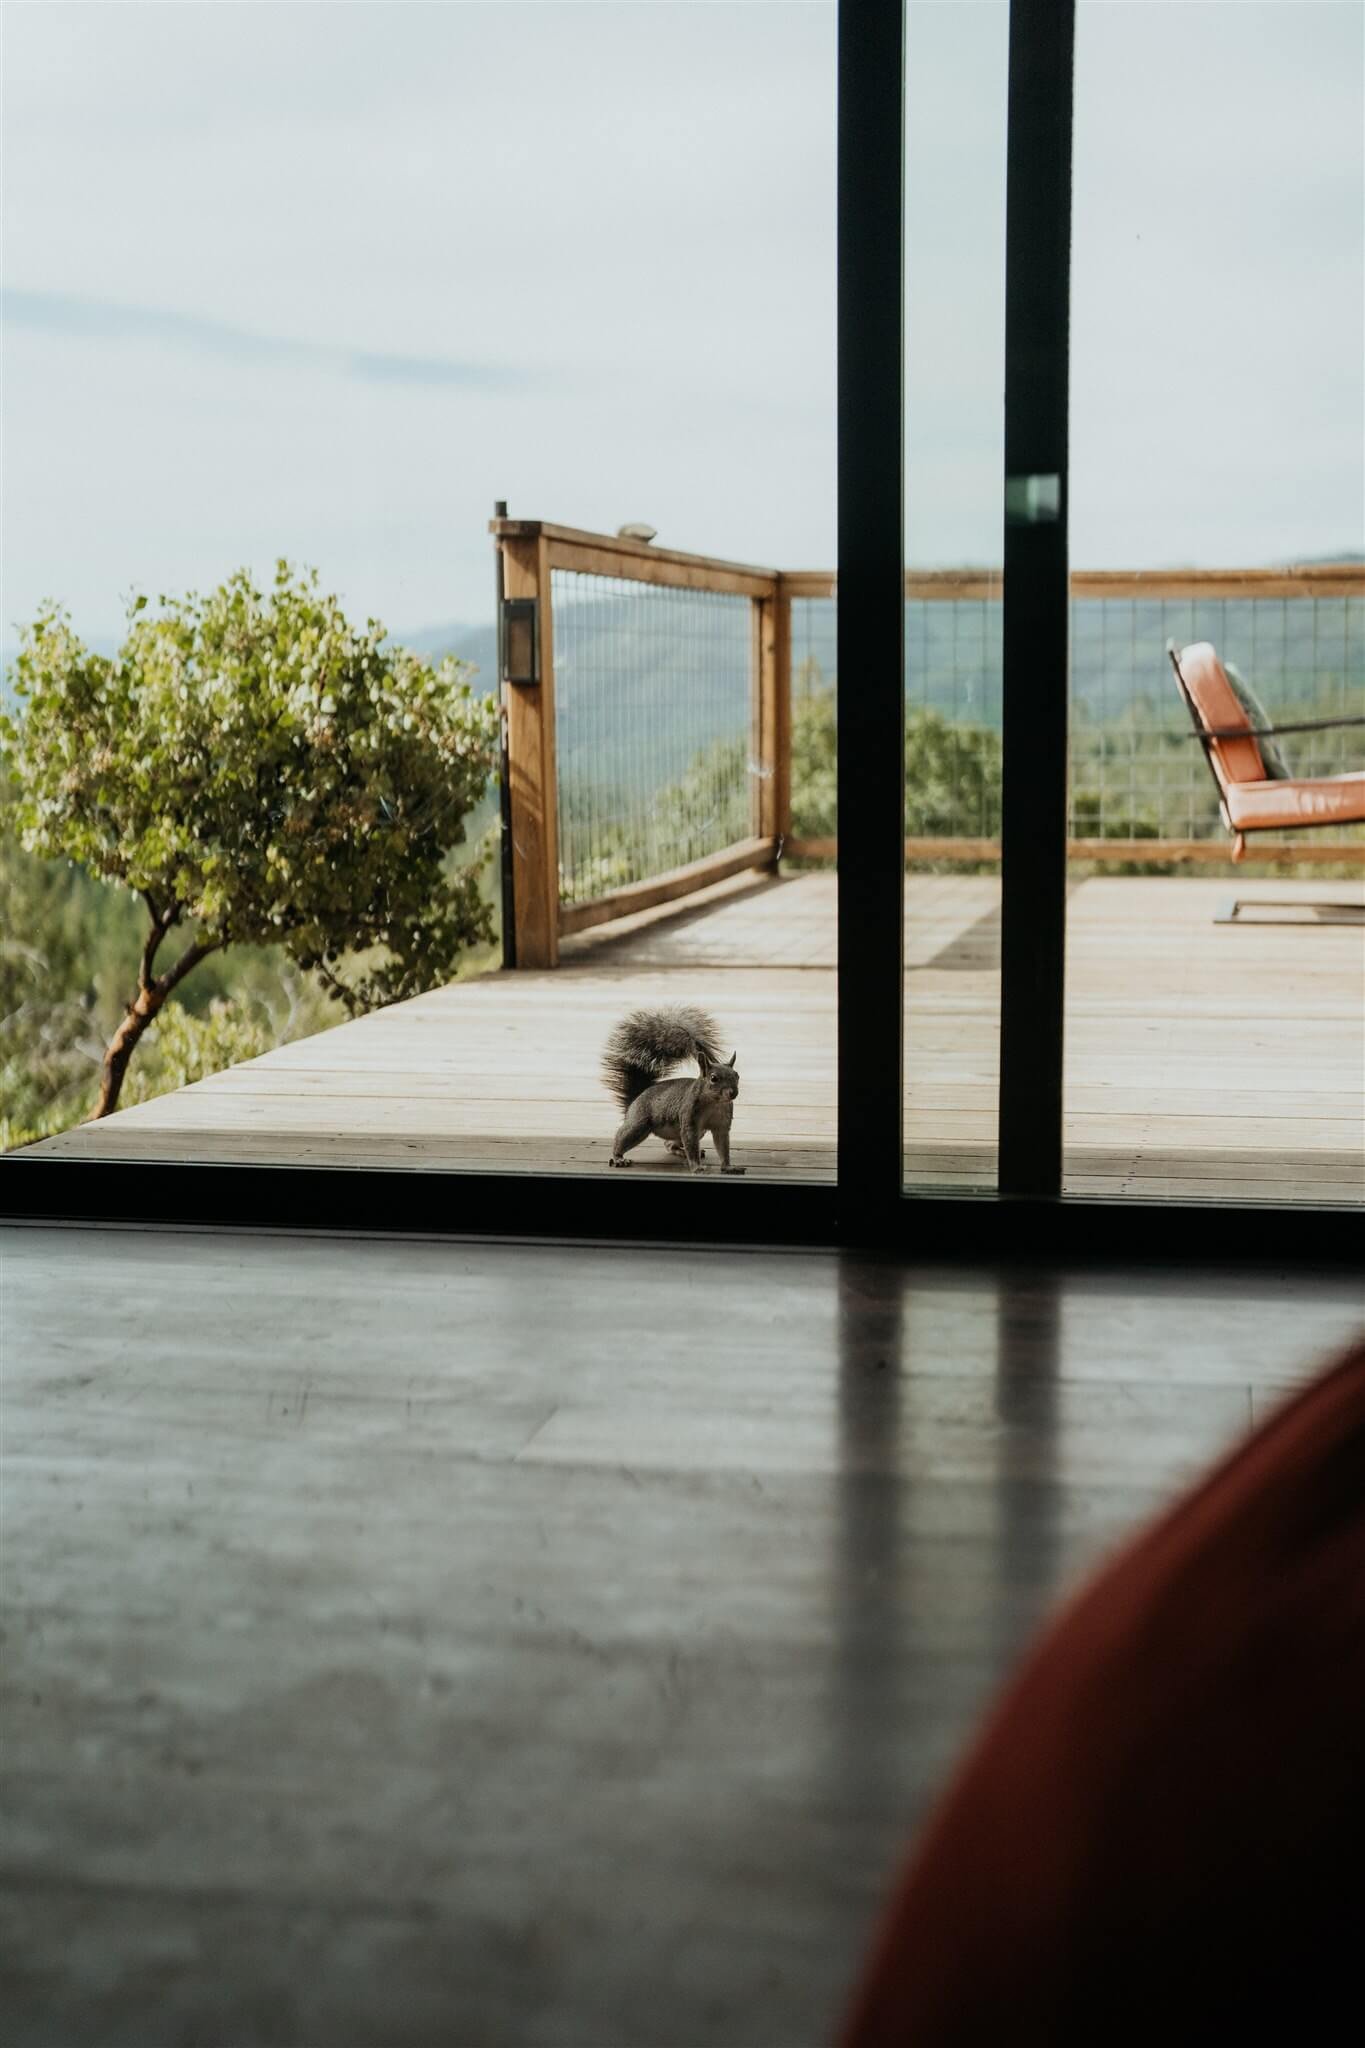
x,y
631,1133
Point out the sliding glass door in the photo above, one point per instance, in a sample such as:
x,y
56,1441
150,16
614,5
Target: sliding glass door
x,y
957,63
820,780
1215,1031
512,324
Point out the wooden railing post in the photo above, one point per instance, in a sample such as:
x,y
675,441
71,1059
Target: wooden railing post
x,y
772,713
531,763
782,714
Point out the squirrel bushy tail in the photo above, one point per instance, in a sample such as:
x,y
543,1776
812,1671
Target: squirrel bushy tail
x,y
647,1044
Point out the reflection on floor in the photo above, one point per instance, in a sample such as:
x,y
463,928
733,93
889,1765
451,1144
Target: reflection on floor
x,y
1203,1060
450,1644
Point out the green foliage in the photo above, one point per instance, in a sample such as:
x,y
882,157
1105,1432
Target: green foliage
x,y
1093,818
952,782
709,806
706,808
68,952
67,949
263,775
814,770
952,774
255,765
952,778
182,1048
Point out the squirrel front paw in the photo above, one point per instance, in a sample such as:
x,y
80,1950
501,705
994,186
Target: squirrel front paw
x,y
614,1161
734,1169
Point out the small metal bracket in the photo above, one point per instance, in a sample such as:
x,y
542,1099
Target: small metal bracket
x,y
1033,500
519,641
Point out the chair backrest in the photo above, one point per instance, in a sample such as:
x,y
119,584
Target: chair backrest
x,y
1214,704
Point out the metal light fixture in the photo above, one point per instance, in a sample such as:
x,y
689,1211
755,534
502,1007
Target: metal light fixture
x,y
520,641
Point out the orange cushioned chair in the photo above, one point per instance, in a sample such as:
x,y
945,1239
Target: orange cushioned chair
x,y
1252,796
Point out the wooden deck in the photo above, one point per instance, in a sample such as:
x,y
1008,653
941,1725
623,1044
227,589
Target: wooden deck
x,y
1203,1060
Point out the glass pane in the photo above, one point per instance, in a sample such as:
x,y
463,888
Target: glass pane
x,y
328,284
956,78
1215,1044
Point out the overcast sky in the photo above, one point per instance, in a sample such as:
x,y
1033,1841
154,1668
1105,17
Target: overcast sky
x,y
325,280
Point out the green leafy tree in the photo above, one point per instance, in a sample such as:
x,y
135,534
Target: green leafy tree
x,y
952,773
952,777
706,808
814,766
259,772
183,1048
54,960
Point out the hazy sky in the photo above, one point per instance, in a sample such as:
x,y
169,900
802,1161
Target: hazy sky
x,y
325,280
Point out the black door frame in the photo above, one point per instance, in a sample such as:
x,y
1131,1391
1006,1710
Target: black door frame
x,y
1028,1217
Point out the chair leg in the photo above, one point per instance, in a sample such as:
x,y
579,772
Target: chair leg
x,y
1230,908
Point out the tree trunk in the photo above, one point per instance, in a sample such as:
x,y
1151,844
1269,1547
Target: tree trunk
x,y
121,1048
151,994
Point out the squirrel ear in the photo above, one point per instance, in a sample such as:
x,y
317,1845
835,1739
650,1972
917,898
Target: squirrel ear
x,y
704,1061
732,1061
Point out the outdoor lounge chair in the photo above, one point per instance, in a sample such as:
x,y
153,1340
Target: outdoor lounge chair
x,y
1254,793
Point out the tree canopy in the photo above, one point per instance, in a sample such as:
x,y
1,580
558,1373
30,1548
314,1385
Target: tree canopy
x,y
258,770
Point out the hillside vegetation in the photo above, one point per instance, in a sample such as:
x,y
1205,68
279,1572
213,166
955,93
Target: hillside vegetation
x,y
629,807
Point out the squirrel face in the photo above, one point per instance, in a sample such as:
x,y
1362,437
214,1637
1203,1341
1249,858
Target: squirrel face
x,y
720,1081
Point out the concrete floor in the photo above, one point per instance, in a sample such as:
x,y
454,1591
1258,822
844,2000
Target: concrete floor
x,y
411,1644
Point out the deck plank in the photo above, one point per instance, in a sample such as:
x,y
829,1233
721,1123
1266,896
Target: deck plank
x,y
1202,1061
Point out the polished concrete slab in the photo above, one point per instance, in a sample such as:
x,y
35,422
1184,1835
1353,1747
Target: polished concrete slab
x,y
417,1644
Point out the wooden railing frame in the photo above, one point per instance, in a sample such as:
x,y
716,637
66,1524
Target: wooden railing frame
x,y
1215,852
1331,579
533,549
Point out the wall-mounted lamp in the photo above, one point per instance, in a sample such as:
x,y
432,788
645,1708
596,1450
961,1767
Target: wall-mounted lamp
x,y
520,640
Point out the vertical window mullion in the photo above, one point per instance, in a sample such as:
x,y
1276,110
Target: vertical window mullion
x,y
871,611
1036,624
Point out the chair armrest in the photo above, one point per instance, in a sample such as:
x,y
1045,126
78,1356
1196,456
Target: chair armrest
x,y
1268,732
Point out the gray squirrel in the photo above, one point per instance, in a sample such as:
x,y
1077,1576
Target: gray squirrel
x,y
681,1110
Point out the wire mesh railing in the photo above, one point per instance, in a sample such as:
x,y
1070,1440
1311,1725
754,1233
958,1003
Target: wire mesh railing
x,y
671,719
654,728
1135,773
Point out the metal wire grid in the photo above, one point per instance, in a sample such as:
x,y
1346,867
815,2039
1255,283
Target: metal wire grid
x,y
953,679
814,621
653,713
953,683
1133,771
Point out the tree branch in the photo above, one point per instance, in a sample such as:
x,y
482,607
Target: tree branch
x,y
337,987
160,926
142,1010
192,955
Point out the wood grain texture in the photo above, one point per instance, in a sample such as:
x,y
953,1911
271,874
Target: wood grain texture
x,y
1203,1062
929,586
532,771
1215,852
669,572
687,880
571,539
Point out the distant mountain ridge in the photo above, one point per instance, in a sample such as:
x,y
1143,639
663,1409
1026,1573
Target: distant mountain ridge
x,y
675,680
478,645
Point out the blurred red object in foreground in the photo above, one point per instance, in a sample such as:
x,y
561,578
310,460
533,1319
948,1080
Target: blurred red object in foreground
x,y
1159,1834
